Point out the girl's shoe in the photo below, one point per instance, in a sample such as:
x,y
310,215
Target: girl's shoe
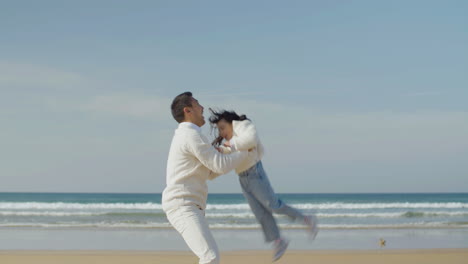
x,y
280,247
312,225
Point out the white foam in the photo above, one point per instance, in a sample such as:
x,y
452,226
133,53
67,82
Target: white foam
x,y
230,207
88,225
228,215
154,225
227,207
78,206
317,206
393,215
36,213
244,215
379,205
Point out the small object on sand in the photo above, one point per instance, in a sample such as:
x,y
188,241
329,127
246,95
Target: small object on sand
x,y
382,243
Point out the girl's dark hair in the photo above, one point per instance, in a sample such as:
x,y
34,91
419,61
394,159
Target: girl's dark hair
x,y
228,116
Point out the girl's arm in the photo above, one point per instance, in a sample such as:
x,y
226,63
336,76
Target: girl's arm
x,y
225,150
246,136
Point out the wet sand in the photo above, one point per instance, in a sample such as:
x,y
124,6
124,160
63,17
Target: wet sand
x,y
426,256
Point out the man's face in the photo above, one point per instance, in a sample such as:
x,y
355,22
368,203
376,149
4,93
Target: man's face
x,y
197,113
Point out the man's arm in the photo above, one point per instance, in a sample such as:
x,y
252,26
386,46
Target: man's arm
x,y
211,158
213,175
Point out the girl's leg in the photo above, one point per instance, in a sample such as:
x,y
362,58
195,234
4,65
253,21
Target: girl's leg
x,y
261,188
263,192
262,214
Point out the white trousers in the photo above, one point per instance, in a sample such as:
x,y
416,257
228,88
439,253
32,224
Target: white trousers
x,y
191,223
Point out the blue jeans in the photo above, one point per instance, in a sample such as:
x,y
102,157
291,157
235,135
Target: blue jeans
x,y
264,202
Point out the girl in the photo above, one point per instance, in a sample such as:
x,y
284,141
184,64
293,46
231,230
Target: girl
x,y
239,133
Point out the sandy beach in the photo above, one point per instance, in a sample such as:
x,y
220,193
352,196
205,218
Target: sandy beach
x,y
428,256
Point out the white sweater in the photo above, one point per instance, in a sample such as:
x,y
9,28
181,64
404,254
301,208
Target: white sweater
x,y
192,161
244,138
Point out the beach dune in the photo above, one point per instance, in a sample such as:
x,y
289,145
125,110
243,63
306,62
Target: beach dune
x,y
427,256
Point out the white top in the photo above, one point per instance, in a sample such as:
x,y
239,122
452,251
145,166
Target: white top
x,y
192,161
245,137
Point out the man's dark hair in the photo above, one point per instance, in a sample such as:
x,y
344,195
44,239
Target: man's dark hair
x,y
178,104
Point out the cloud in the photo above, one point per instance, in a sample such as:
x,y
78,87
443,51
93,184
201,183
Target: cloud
x,y
24,74
130,105
385,136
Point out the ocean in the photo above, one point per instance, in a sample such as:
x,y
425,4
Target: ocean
x,y
230,211
136,221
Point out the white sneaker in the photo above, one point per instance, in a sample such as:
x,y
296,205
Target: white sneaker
x,y
280,247
312,224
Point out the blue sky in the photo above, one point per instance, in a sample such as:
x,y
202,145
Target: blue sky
x,y
348,96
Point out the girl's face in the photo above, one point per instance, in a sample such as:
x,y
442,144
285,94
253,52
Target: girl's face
x,y
225,129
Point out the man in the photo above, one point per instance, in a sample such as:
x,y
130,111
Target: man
x,y
192,161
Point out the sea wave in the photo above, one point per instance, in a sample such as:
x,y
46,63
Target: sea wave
x,y
351,206
231,207
243,215
78,225
230,215
164,225
89,213
36,213
78,206
453,205
408,214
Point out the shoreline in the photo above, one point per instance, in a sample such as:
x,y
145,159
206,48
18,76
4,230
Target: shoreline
x,y
99,228
402,256
231,252
228,240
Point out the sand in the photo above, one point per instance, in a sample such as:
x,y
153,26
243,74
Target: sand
x,y
426,256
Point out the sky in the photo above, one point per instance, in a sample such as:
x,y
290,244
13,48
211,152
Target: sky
x,y
347,96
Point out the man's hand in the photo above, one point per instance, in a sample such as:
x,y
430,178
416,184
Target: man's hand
x,y
227,144
217,141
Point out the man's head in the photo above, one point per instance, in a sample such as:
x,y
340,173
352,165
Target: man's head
x,y
185,108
